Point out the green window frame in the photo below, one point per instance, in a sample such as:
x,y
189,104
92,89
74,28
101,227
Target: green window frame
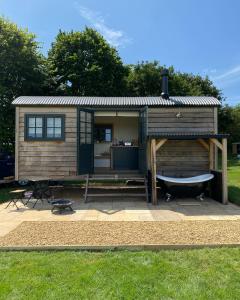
x,y
47,127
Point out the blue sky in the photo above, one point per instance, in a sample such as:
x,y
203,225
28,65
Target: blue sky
x,y
202,37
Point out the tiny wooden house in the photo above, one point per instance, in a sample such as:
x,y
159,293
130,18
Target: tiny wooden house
x,y
236,148
64,137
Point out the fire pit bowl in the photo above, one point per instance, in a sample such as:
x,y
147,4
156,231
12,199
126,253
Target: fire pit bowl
x,y
61,205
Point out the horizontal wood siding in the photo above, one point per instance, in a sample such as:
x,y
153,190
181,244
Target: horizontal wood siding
x,y
48,159
182,159
199,119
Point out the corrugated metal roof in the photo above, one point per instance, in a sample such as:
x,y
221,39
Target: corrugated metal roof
x,y
117,101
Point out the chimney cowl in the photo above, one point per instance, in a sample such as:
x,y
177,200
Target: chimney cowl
x,y
164,93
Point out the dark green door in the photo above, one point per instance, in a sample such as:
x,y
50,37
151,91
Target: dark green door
x,y
85,141
142,156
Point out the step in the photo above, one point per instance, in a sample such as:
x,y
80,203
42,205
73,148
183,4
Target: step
x,y
107,171
118,195
116,178
116,187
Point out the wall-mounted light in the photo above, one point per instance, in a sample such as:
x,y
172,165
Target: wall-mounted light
x,y
178,115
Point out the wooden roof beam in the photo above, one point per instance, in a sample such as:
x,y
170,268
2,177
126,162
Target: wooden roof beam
x,y
203,143
217,143
160,144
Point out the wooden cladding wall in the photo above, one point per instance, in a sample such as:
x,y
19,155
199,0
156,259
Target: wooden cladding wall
x,y
48,159
182,158
199,119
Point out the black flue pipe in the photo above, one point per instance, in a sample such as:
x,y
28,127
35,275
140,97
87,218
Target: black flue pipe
x,y
165,93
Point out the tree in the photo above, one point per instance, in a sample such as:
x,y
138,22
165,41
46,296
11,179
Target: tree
x,y
229,122
144,79
79,63
84,64
22,72
187,84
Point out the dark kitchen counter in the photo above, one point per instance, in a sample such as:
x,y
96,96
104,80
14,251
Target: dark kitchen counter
x,y
124,157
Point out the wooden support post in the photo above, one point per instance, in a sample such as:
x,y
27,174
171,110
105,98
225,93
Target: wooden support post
x,y
211,156
153,171
224,172
215,131
149,154
216,158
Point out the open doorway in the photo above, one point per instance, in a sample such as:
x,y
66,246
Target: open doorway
x,y
111,141
116,140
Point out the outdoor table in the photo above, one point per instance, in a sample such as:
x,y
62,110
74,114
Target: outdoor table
x,y
16,196
39,190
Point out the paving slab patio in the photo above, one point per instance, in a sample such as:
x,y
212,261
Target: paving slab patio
x,y
117,209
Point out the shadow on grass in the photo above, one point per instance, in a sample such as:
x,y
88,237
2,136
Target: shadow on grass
x,y
233,162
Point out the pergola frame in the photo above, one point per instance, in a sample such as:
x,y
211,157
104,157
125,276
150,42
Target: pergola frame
x,y
211,143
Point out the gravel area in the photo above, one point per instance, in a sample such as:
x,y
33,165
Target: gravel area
x,y
100,233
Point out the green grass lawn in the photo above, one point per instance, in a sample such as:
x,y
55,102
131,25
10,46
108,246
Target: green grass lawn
x,y
187,274
234,180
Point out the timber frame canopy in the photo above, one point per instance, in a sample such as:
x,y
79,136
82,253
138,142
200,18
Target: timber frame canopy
x,y
208,141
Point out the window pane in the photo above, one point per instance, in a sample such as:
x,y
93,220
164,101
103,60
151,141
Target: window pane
x,y
108,137
58,122
54,127
31,122
39,122
31,132
82,139
50,122
89,139
82,116
50,132
108,130
82,126
58,132
38,132
82,134
89,117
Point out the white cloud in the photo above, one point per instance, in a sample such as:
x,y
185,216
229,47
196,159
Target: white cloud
x,y
116,38
209,72
228,77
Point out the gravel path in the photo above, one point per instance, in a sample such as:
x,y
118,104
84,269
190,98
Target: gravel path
x,y
100,233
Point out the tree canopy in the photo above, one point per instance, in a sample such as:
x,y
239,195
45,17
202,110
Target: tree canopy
x,y
144,79
83,63
22,72
229,122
